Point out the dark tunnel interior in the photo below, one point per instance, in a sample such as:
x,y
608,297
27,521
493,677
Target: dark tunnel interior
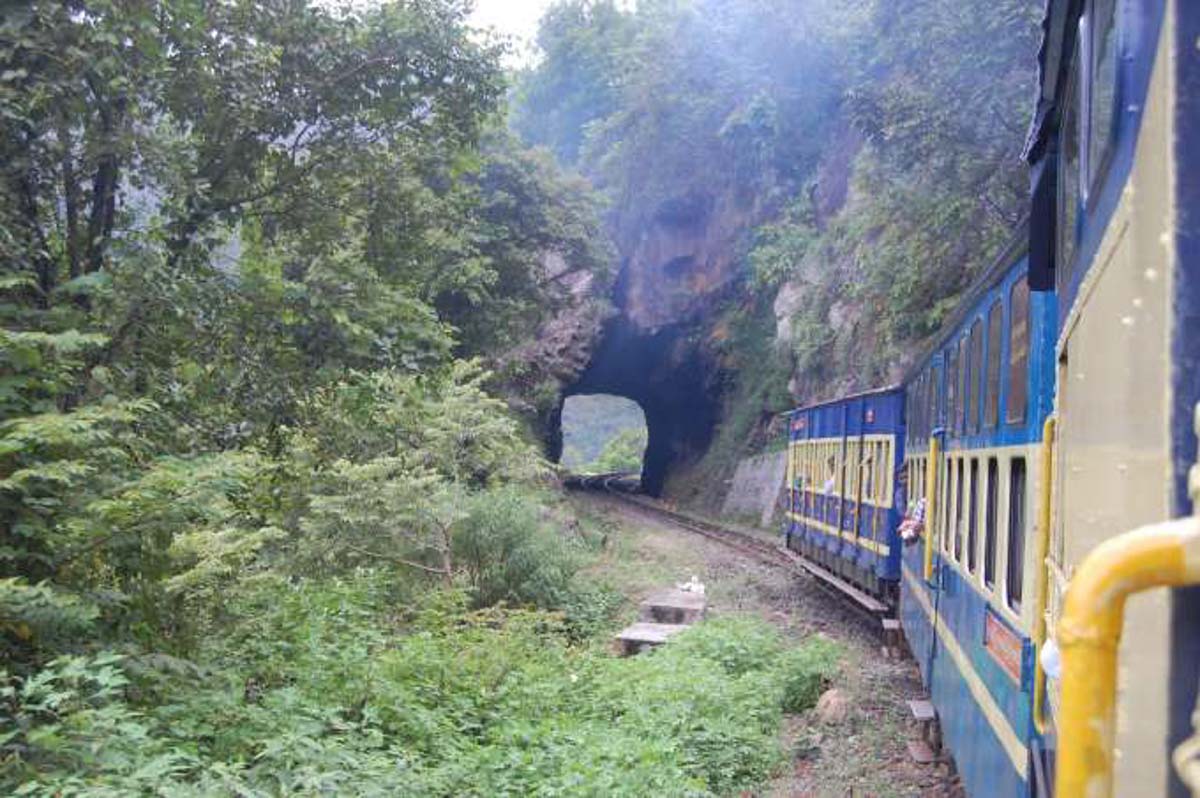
x,y
663,373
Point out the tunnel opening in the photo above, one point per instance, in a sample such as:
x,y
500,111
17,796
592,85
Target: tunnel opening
x,y
665,372
603,434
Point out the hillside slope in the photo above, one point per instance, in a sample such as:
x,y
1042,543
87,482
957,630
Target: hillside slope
x,y
798,196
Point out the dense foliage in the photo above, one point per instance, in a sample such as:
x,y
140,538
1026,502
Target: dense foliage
x,y
873,144
339,688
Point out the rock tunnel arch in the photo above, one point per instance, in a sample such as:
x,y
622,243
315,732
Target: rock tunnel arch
x,y
664,372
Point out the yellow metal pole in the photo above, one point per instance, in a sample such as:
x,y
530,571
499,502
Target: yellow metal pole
x,y
931,472
1089,633
1042,589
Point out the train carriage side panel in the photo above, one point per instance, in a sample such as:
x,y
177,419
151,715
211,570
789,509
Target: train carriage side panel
x,y
968,627
848,452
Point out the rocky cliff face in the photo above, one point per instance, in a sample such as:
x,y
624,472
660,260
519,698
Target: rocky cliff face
x,y
683,257
660,339
678,266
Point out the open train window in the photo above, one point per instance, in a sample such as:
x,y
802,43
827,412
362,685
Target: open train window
x,y
973,517
991,414
1018,353
1102,90
958,510
946,496
974,362
989,522
1069,176
1016,533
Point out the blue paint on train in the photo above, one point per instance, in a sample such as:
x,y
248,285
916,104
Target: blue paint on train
x,y
822,515
975,659
961,607
983,762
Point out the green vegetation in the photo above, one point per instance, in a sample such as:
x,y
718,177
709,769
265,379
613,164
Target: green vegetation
x,y
622,453
872,145
590,423
339,688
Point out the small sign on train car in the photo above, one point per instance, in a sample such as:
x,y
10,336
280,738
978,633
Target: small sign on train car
x,y
1002,644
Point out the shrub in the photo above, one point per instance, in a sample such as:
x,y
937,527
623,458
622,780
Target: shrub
x,y
509,553
335,687
806,671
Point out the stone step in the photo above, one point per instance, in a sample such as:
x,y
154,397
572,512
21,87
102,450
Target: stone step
x,y
643,635
673,606
925,715
922,710
920,752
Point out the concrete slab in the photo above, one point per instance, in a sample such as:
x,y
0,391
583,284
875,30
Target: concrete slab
x,y
642,635
920,752
673,606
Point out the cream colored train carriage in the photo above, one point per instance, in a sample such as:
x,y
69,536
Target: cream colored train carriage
x,y
1115,151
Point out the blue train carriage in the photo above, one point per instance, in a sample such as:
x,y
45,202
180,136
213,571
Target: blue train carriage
x,y
1115,161
975,405
844,469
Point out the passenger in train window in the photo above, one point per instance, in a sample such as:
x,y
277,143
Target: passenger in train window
x,y
827,488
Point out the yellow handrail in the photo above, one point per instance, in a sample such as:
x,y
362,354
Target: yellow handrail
x,y
1041,590
1162,555
931,471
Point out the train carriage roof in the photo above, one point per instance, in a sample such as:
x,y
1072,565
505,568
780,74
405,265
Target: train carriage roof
x,y
848,398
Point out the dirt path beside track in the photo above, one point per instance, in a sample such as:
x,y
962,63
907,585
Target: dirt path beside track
x,y
863,755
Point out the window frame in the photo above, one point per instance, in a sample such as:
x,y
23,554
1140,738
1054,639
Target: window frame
x,y
1010,383
1095,166
1066,245
992,371
991,536
959,508
973,517
1017,520
975,360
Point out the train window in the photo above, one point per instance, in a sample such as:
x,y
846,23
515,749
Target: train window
x,y
1102,88
975,362
926,426
1068,178
958,510
964,385
991,415
937,399
952,388
973,517
930,403
989,522
908,417
1018,352
946,496
1016,532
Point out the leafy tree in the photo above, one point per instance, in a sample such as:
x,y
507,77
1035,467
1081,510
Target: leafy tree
x,y
622,453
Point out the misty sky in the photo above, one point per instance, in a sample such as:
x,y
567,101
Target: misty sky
x,y
517,18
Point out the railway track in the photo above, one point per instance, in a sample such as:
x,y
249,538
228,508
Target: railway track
x,y
623,487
